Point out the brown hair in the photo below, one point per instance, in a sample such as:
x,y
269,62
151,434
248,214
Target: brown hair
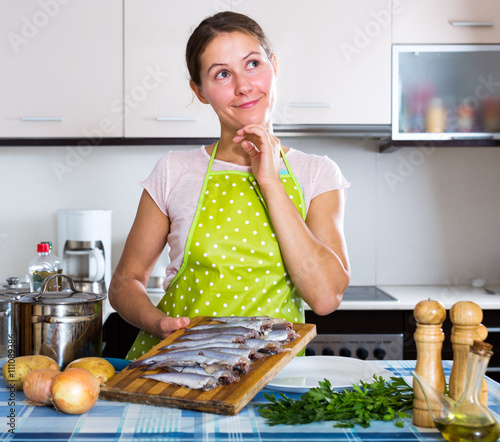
x,y
220,23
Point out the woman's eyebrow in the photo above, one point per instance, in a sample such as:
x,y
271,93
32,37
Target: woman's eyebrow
x,y
214,65
250,54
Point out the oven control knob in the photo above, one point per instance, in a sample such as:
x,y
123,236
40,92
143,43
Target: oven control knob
x,y
327,351
379,353
310,351
344,351
362,353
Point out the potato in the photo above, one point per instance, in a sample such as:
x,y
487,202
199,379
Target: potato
x,y
15,370
99,367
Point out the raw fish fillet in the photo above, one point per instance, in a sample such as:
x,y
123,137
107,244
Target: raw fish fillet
x,y
188,380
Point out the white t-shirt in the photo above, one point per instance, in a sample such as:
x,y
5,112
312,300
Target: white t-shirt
x,y
176,181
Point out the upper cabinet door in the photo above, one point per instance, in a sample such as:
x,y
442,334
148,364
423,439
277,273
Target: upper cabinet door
x,y
334,59
446,21
158,101
61,68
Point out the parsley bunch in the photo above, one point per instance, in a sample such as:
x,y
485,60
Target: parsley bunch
x,y
379,400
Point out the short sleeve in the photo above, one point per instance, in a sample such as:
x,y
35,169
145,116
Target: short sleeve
x,y
157,183
328,177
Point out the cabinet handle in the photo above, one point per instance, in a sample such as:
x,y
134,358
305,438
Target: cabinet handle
x,y
482,24
41,118
474,137
309,105
175,119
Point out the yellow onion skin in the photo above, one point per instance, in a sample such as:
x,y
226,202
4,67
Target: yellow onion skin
x,y
37,385
75,391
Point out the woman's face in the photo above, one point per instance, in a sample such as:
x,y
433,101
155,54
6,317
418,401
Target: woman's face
x,y
237,80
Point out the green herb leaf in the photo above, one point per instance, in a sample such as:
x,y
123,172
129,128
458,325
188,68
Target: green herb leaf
x,y
378,400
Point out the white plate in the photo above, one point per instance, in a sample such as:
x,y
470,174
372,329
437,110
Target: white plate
x,y
303,373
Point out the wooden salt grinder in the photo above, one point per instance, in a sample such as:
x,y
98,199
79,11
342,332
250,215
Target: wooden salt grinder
x,y
466,317
429,338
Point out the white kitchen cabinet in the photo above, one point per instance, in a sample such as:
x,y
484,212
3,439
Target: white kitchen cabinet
x,y
446,21
158,101
334,59
61,69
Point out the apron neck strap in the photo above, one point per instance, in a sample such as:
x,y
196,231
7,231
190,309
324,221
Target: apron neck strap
x,y
212,157
287,164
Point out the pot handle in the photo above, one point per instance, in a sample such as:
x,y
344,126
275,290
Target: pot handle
x,y
63,319
50,278
71,286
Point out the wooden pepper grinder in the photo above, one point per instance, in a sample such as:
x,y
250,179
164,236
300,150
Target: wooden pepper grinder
x,y
429,338
466,317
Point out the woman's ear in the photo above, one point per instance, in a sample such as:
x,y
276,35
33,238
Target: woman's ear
x,y
197,90
274,62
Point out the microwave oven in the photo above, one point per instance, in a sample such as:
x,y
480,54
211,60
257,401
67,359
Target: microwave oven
x,y
446,92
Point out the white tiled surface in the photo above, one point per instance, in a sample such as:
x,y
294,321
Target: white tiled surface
x,y
415,216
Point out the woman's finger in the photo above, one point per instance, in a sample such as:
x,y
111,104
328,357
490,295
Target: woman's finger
x,y
259,135
252,129
168,324
249,148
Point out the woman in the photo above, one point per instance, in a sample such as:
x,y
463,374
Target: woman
x,y
254,228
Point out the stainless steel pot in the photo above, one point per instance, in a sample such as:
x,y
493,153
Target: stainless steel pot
x,y
8,292
5,324
64,325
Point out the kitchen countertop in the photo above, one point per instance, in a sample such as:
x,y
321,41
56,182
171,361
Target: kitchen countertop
x,y
109,421
407,297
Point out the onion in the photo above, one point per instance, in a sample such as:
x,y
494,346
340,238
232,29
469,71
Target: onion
x,y
38,385
75,391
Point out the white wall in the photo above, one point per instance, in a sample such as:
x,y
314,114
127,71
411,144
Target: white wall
x,y
414,216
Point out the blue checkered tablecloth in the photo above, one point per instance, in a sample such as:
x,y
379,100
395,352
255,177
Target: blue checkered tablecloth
x,y
117,421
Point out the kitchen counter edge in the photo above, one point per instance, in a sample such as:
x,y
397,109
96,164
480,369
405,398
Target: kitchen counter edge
x,y
407,297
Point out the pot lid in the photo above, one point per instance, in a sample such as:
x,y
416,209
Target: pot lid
x,y
71,296
62,297
14,287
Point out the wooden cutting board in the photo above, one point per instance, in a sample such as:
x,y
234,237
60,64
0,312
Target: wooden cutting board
x,y
128,386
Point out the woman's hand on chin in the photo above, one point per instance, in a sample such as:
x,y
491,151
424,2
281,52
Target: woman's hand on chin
x,y
263,148
168,325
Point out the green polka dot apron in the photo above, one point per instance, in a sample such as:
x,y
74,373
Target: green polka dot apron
x,y
232,261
